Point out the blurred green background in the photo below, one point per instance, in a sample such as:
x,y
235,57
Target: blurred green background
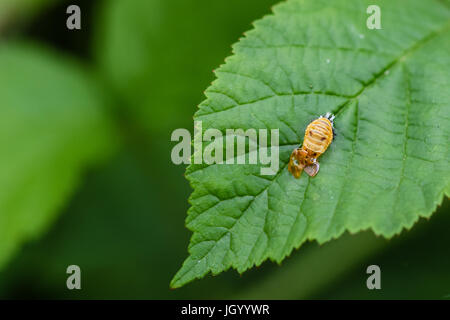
x,y
123,223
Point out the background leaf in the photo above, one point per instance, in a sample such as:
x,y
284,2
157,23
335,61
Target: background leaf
x,y
18,11
51,127
388,166
158,56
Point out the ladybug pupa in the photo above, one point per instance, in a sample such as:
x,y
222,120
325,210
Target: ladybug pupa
x,y
318,136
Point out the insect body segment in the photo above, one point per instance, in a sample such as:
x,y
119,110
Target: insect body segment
x,y
318,136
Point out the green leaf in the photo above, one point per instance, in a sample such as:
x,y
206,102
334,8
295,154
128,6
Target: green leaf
x,y
387,167
51,127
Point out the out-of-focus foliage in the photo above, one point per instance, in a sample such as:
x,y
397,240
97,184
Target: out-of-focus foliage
x,y
159,55
52,125
13,11
125,225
